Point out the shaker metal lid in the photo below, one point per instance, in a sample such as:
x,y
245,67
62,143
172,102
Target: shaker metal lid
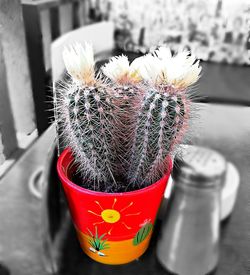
x,y
198,165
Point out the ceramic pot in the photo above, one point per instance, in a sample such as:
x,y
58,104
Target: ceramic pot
x,y
113,228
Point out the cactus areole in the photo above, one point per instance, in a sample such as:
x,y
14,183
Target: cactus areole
x,y
120,128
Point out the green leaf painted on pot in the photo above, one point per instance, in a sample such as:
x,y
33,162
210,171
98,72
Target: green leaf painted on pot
x,y
142,234
97,242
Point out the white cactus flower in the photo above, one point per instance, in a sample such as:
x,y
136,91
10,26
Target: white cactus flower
x,y
119,70
79,62
160,67
148,68
163,53
181,70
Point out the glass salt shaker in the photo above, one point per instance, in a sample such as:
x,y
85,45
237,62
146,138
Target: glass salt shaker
x,y
189,239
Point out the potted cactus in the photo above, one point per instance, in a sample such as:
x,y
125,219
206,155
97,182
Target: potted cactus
x,y
120,127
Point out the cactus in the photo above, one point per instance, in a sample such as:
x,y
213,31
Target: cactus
x,y
126,125
162,115
160,119
87,117
142,234
125,80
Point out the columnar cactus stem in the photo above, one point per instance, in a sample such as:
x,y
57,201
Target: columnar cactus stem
x,y
125,80
163,113
87,115
160,120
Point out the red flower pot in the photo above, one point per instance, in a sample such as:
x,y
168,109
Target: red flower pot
x,y
113,228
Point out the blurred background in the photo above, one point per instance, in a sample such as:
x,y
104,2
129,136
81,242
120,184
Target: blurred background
x,y
32,35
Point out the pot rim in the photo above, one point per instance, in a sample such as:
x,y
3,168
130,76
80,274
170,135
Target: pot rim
x,y
73,185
